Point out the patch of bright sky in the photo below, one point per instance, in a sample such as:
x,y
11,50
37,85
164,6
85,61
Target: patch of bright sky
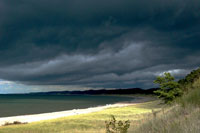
x,y
177,73
7,87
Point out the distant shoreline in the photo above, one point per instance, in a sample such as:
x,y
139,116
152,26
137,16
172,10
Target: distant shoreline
x,y
55,115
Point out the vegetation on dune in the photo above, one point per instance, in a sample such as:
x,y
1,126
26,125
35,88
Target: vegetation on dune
x,y
114,126
193,96
183,116
187,82
169,89
192,93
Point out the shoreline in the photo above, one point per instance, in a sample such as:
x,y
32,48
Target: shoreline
x,y
54,115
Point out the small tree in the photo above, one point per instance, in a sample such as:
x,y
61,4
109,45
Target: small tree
x,y
169,89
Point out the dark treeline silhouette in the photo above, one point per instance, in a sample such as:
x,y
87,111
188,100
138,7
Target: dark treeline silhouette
x,y
100,92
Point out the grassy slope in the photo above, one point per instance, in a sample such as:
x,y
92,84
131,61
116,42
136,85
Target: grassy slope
x,y
93,122
182,117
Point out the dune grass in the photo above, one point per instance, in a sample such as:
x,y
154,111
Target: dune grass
x,y
181,117
175,119
87,123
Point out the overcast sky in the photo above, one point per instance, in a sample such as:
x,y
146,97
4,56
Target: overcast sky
x,y
75,44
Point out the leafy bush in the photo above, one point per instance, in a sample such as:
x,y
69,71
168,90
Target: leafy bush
x,y
114,126
169,89
189,79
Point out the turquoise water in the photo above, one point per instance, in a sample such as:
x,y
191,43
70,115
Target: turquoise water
x,y
14,105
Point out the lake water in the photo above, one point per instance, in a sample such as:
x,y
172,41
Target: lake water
x,y
14,105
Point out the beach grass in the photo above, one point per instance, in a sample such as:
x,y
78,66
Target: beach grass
x,y
183,116
175,119
88,123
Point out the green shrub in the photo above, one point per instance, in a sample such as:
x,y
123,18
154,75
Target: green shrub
x,y
187,82
114,126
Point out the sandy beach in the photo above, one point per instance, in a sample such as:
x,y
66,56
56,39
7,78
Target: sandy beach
x,y
54,115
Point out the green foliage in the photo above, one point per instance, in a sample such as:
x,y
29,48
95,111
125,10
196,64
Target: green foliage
x,y
169,89
189,79
113,126
176,118
193,96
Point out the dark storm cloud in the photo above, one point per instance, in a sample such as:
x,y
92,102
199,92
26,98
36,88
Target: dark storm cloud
x,y
98,43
